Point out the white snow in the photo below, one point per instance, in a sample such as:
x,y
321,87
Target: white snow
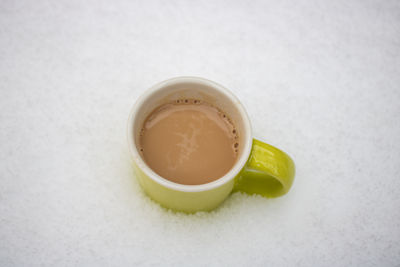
x,y
319,79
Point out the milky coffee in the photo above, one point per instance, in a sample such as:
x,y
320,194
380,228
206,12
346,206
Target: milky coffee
x,y
189,142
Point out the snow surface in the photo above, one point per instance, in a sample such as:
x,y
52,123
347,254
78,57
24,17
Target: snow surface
x,y
319,79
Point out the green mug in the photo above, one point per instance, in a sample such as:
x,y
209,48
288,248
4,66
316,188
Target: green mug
x,y
260,168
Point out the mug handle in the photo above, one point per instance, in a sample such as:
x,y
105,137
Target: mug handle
x,y
268,172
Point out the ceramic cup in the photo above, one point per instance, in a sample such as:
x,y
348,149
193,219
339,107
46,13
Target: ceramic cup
x,y
259,169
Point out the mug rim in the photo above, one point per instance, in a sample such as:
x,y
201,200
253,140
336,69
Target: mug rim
x,y
231,174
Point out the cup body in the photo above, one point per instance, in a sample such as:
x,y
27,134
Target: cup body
x,y
179,197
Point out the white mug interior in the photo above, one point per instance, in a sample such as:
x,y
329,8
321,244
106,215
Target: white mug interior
x,y
190,88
